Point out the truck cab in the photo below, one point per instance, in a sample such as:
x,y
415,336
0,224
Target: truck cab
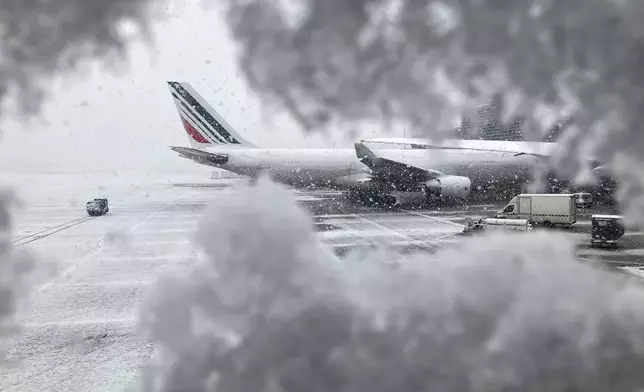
x,y
510,211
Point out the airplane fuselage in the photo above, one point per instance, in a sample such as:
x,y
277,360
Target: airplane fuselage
x,y
340,168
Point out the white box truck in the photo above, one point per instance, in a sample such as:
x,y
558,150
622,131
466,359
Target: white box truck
x,y
544,209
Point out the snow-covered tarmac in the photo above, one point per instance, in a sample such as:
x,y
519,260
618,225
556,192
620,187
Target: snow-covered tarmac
x,y
79,333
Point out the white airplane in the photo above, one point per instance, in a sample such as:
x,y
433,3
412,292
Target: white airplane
x,y
447,169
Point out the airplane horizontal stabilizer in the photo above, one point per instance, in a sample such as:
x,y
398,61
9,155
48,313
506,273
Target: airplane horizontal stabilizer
x,y
202,157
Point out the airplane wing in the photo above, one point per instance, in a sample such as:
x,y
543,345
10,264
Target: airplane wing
x,y
386,169
202,157
517,148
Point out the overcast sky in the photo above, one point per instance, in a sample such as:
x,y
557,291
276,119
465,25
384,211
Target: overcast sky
x,y
103,120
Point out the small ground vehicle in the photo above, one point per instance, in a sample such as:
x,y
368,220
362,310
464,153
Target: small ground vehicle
x,y
477,225
97,207
606,230
542,208
583,200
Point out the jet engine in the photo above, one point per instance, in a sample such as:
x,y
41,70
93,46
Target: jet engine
x,y
449,187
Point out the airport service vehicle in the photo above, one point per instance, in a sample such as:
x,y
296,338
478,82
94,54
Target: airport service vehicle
x,y
583,200
97,207
482,224
606,230
546,209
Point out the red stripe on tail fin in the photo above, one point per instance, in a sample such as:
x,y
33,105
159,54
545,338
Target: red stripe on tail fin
x,y
193,132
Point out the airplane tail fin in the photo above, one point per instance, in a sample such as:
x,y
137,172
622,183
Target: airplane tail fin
x,y
204,126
